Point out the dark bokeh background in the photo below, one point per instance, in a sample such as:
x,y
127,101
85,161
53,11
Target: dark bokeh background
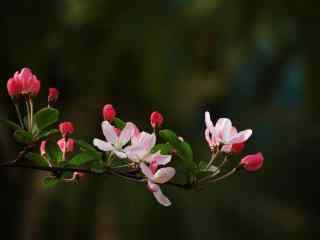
x,y
253,61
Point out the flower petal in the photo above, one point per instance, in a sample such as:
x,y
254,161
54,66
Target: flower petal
x,y
146,170
109,132
102,145
226,148
162,199
207,120
241,136
223,125
135,152
163,175
147,140
153,187
119,154
159,158
126,134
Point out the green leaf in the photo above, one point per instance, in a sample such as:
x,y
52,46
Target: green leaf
x,y
80,159
23,136
47,134
84,146
119,123
183,148
46,117
49,182
53,152
10,124
165,148
37,158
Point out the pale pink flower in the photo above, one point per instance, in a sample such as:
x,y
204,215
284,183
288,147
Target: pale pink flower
x,y
223,133
114,143
156,177
141,147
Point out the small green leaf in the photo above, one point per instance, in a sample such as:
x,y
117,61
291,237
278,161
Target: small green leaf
x,y
49,182
119,123
46,117
53,152
23,136
47,134
183,148
37,158
165,148
86,147
10,124
80,159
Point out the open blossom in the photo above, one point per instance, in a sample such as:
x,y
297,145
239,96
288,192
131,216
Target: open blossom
x,y
156,177
223,133
252,162
23,83
66,146
115,143
140,150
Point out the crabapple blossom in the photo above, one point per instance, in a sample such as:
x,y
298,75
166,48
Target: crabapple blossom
x,y
108,112
252,162
156,177
224,133
114,142
141,147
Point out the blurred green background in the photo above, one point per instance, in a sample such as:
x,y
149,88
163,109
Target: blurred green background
x,y
253,61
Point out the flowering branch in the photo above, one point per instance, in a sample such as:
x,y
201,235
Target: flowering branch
x,y
125,151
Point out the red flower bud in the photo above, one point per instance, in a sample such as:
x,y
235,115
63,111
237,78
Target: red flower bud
x,y
68,146
108,112
156,119
66,128
252,162
43,148
237,148
53,95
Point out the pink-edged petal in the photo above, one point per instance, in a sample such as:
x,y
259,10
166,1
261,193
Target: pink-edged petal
x,y
241,136
159,158
153,187
135,152
147,140
102,145
163,175
119,154
136,135
162,199
109,132
228,134
146,170
207,120
226,148
126,134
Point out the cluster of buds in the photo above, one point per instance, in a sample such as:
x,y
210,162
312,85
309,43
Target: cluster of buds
x,y
66,144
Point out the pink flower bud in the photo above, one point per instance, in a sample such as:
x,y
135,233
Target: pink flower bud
x,y
108,112
237,148
66,128
43,148
13,87
252,162
53,95
66,147
156,119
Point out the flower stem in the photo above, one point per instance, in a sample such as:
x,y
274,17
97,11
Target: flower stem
x,y
213,157
28,115
31,113
18,114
